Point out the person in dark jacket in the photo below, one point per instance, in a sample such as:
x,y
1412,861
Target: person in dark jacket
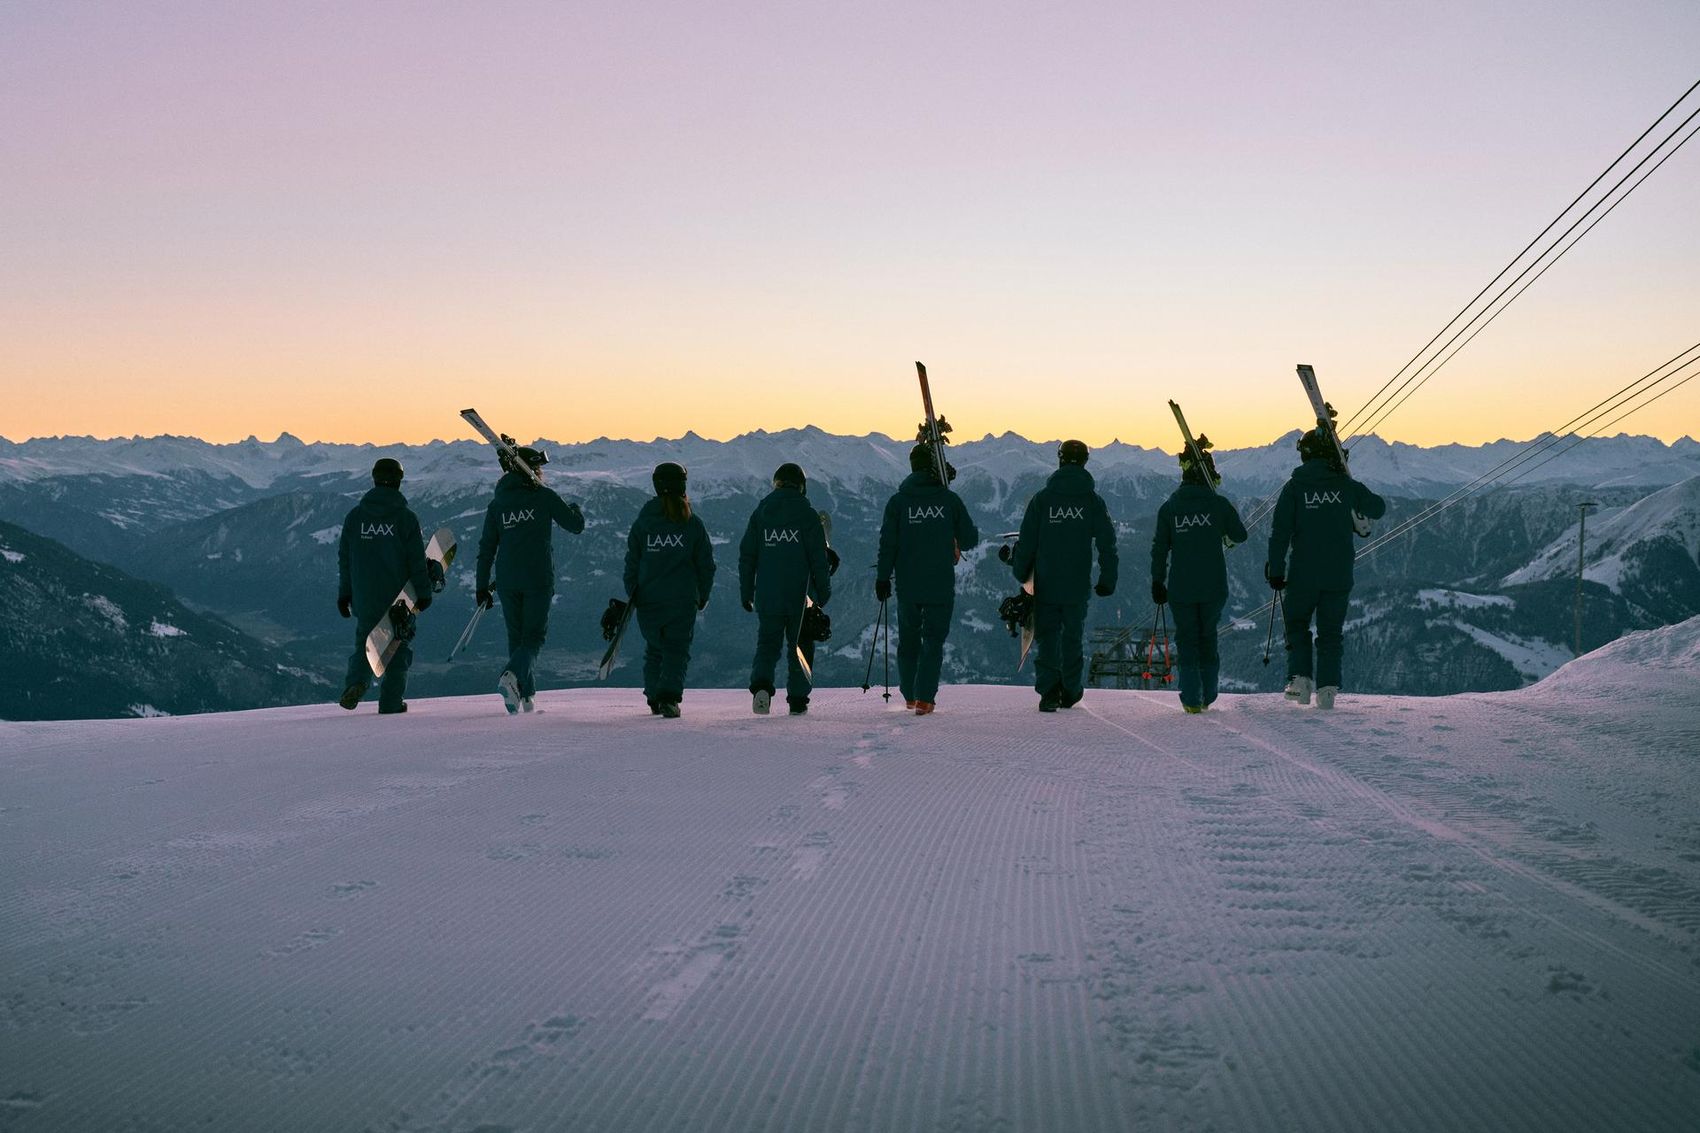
x,y
1054,551
518,542
783,560
381,550
669,571
1190,573
925,531
1313,518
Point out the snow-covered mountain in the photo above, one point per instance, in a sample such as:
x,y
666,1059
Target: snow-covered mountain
x,y
1409,915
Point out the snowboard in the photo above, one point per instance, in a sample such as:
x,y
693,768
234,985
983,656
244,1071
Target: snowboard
x,y
1027,622
610,654
1325,421
396,626
802,657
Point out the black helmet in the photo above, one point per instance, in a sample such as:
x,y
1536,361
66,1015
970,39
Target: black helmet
x,y
791,474
1191,473
534,458
921,458
1315,445
1073,452
387,473
669,479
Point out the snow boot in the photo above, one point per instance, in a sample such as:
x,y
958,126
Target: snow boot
x,y
654,708
799,705
1325,696
1298,689
761,702
668,709
1193,709
508,685
352,694
910,704
393,711
924,708
526,704
1049,702
1069,699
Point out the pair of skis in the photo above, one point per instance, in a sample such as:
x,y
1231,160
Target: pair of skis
x,y
504,446
1325,423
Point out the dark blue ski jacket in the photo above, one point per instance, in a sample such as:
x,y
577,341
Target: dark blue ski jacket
x,y
926,526
380,551
519,531
782,556
1313,516
668,564
1062,522
1186,547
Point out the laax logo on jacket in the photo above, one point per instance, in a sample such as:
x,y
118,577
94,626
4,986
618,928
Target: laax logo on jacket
x,y
773,536
1185,522
1317,499
665,542
373,530
515,518
922,514
1060,514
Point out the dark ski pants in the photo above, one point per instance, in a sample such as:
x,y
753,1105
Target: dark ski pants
x,y
776,632
1329,608
526,613
667,633
1196,655
921,630
1059,660
393,688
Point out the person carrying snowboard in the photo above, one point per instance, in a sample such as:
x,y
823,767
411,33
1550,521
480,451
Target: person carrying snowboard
x,y
1190,573
381,550
1054,550
925,530
782,560
669,571
1313,518
518,541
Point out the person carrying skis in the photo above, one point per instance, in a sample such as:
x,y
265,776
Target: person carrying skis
x,y
669,571
1313,517
518,542
782,560
1054,550
1190,573
925,530
381,550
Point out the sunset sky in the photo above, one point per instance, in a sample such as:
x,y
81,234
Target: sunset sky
x,y
348,220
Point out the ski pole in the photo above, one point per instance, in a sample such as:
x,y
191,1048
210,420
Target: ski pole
x,y
466,634
1269,642
873,647
885,620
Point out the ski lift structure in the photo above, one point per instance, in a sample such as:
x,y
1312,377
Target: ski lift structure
x,y
1133,656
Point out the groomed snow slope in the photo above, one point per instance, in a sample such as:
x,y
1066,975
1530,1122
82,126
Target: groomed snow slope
x,y
1470,913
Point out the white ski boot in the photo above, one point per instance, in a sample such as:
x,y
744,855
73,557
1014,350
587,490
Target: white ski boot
x,y
761,702
1298,689
508,684
1325,696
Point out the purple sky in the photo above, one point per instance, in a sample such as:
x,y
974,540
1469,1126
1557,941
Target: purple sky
x,y
635,220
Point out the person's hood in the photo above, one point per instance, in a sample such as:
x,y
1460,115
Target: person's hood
x,y
384,501
1189,492
1316,468
922,484
515,482
1072,480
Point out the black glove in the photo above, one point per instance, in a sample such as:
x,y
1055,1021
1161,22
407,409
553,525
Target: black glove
x,y
434,570
345,606
1276,581
1103,589
1005,551
749,606
1159,592
485,599
831,561
422,603
882,588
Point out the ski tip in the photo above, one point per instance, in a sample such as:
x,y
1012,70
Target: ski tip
x,y
921,368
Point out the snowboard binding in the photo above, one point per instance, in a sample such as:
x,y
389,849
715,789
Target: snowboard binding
x,y
817,625
612,618
1016,611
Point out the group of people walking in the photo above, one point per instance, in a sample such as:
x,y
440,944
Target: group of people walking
x,y
786,567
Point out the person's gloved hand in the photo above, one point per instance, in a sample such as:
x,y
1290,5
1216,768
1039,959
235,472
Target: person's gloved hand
x,y
345,606
1276,581
749,606
831,561
1159,592
1005,551
882,588
1102,590
484,599
423,603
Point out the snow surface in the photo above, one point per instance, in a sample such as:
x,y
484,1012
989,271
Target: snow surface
x,y
1465,913
11,556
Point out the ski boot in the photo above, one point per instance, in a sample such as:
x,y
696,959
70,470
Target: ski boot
x,y
352,694
761,701
508,685
1325,696
1298,689
527,704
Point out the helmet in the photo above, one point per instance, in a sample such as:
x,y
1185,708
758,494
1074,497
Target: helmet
x,y
669,479
533,458
921,458
1073,452
387,473
1316,445
791,474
